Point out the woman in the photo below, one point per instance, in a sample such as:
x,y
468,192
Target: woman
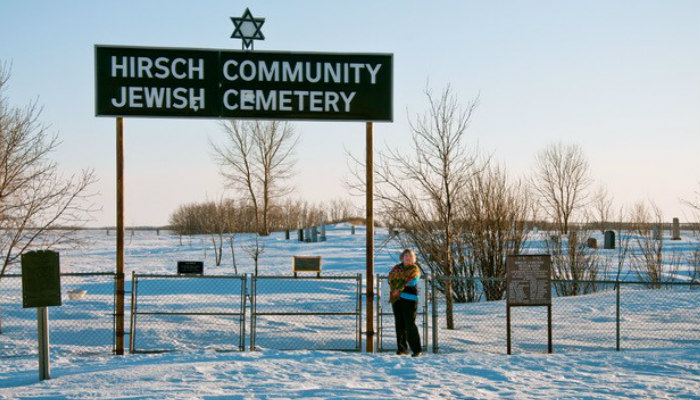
x,y
403,283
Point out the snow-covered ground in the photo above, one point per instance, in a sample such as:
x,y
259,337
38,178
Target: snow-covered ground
x,y
332,375
660,357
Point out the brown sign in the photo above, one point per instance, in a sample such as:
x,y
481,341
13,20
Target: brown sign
x,y
307,264
529,280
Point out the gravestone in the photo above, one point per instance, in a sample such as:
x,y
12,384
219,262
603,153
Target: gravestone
x,y
314,234
352,229
323,231
307,235
300,235
656,232
592,243
609,240
286,234
676,234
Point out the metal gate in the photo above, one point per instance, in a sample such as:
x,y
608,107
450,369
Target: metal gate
x,y
385,315
176,312
306,313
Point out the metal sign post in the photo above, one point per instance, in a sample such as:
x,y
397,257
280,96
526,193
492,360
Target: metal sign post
x,y
41,288
42,317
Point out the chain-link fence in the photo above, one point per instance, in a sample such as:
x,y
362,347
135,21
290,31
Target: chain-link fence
x,y
386,339
82,325
306,313
609,316
176,312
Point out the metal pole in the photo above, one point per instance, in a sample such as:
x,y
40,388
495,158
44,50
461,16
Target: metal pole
x,y
369,285
120,238
617,317
435,314
132,326
380,318
244,294
42,317
549,329
253,311
508,329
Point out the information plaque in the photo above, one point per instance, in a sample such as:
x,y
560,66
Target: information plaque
x,y
528,284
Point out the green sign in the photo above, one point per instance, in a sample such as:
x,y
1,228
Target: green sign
x,y
166,82
306,264
41,280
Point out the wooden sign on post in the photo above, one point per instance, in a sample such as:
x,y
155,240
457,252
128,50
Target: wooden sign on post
x,y
529,284
190,268
307,264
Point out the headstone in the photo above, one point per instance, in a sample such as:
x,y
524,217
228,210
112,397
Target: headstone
x,y
286,235
307,235
656,232
300,235
314,234
609,240
676,234
323,232
352,229
592,243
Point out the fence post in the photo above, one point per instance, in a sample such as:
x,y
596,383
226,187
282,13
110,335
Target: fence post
x,y
359,312
244,294
253,294
132,324
426,299
435,314
380,320
617,316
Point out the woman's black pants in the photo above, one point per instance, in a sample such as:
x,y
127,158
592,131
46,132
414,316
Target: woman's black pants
x,y
405,321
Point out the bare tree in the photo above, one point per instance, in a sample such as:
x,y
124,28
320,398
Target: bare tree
x,y
34,198
257,159
492,220
417,190
693,206
650,265
602,211
39,208
560,180
255,250
574,264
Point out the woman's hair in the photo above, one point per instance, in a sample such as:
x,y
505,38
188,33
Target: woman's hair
x,y
408,251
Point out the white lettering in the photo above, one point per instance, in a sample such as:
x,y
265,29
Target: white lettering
x,y
347,100
251,71
227,74
373,72
174,71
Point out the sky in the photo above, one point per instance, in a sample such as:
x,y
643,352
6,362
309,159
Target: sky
x,y
619,78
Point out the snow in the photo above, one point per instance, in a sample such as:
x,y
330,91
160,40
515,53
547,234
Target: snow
x,y
322,375
660,341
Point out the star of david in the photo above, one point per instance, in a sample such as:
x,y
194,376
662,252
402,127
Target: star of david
x,y
247,29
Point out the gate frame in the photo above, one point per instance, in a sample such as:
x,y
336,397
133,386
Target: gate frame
x,y
358,309
134,306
